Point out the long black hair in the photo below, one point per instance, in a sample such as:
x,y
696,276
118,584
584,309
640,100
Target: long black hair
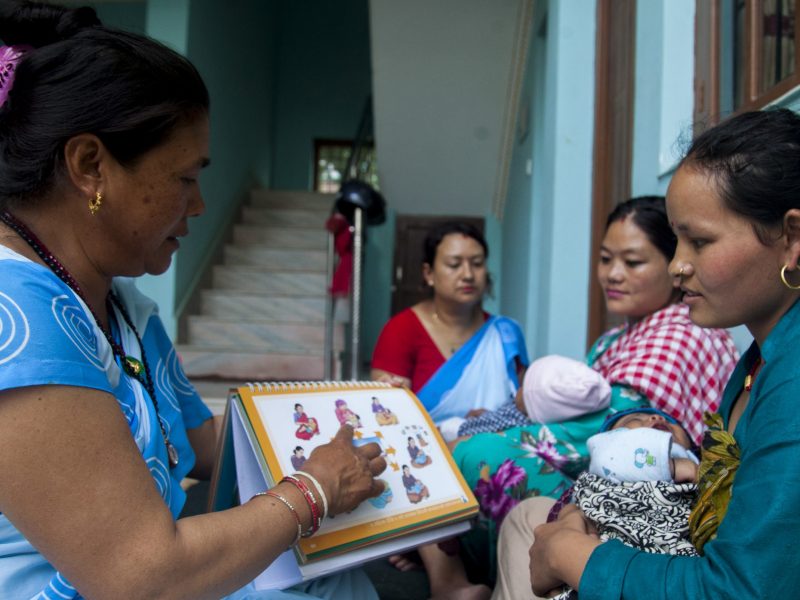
x,y
82,77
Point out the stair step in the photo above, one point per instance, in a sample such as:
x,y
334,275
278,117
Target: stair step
x,y
209,361
292,199
282,217
304,238
288,260
234,304
260,279
258,334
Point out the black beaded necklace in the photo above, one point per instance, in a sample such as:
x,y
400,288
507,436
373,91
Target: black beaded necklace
x,y
139,370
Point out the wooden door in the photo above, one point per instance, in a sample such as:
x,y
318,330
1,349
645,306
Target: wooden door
x,y
408,287
613,133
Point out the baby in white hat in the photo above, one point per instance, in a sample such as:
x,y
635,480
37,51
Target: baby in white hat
x,y
555,388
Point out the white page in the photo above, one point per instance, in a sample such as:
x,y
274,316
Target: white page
x,y
283,572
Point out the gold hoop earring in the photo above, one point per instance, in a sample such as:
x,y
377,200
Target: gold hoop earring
x,y
94,205
785,282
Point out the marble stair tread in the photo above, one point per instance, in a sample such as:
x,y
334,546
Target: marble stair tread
x,y
209,361
268,280
288,260
284,217
228,303
257,334
292,199
301,238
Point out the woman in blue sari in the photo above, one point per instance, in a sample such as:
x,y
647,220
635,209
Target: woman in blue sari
x,y
457,358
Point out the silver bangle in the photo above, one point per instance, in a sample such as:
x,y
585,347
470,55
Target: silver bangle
x,y
277,496
313,480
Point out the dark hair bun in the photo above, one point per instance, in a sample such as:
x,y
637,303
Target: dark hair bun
x,y
38,24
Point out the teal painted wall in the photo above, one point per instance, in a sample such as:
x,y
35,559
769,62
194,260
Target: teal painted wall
x,y
130,16
664,92
323,76
547,223
522,264
233,47
232,44
378,280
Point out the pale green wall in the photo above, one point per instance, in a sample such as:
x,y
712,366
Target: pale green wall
x,y
521,267
130,16
664,92
233,47
377,288
323,77
232,44
547,221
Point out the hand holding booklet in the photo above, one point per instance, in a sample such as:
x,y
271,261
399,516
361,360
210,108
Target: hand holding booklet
x,y
272,428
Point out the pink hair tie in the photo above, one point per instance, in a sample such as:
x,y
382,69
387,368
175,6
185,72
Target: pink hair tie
x,y
9,58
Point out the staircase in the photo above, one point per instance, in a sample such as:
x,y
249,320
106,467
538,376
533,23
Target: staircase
x,y
263,318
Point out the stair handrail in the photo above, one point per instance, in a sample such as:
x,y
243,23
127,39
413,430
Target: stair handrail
x,y
364,134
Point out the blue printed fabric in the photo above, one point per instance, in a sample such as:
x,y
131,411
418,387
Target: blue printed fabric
x,y
503,418
48,336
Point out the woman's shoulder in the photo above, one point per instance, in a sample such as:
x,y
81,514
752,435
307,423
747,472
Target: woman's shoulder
x,y
27,283
407,320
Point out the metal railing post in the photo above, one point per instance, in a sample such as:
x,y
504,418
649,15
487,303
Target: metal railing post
x,y
327,355
355,302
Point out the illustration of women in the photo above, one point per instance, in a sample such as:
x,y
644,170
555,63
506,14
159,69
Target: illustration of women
x,y
415,489
298,458
347,416
383,415
307,427
418,456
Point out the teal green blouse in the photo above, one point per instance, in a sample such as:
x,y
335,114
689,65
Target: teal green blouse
x,y
756,553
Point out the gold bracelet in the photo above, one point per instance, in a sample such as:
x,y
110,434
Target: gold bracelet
x,y
276,495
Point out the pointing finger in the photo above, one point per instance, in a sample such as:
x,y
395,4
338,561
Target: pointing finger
x,y
345,434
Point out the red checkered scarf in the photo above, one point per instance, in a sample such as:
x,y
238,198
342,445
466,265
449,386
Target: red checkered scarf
x,y
680,367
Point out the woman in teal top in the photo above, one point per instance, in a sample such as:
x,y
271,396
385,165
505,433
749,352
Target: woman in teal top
x,y
735,205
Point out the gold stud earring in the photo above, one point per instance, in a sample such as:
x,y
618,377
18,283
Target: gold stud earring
x,y
94,205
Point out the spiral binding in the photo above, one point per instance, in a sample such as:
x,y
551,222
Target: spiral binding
x,y
272,387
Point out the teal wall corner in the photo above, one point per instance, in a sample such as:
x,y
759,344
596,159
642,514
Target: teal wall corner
x,y
323,77
664,92
493,232
377,288
521,240
130,16
547,220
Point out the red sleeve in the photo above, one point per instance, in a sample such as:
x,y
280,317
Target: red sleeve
x,y
404,348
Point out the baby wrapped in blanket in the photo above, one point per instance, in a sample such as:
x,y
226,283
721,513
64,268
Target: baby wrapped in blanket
x,y
640,486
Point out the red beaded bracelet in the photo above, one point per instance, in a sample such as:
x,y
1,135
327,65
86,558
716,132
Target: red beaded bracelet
x,y
316,515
